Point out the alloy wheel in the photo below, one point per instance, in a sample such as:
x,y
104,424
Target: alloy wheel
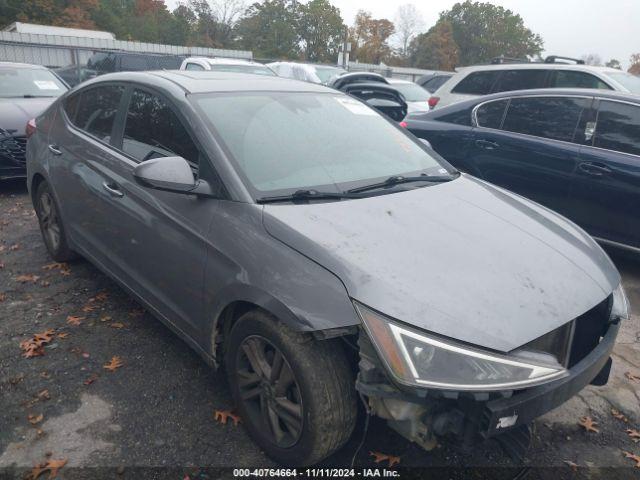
x,y
49,220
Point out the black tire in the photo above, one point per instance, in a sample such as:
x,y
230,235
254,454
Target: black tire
x,y
324,390
51,227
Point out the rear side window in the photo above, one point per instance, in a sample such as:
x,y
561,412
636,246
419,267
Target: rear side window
x,y
133,63
520,80
477,83
462,117
490,114
194,66
153,130
555,118
435,83
574,79
618,127
97,110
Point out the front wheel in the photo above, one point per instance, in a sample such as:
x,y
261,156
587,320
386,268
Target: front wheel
x,y
51,227
295,395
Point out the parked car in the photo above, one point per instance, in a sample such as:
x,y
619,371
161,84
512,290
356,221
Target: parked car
x,y
574,151
220,64
323,252
433,81
471,82
306,72
25,92
109,62
375,90
417,98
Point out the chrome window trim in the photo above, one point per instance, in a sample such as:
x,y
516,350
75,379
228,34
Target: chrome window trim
x,y
622,246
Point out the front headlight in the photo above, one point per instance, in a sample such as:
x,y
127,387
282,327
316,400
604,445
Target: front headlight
x,y
415,358
620,306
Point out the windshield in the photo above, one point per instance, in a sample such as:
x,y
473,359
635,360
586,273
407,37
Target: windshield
x,y
237,68
412,92
628,81
281,142
326,73
29,82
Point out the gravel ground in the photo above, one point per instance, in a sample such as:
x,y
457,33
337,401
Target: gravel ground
x,y
154,416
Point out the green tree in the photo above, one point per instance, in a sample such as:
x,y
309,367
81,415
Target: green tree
x,y
483,31
613,63
370,38
270,29
435,49
321,29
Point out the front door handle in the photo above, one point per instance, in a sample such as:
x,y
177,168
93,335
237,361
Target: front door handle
x,y
55,150
487,144
113,190
594,169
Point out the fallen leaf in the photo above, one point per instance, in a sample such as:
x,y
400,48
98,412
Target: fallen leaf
x,y
572,465
44,395
632,376
380,457
15,247
35,419
34,346
92,378
51,466
55,266
633,433
588,424
105,318
27,278
45,375
99,297
63,334
16,380
117,325
73,320
89,308
222,416
45,283
633,457
619,415
114,364
3,297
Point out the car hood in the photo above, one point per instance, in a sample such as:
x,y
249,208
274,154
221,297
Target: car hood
x,y
463,259
16,112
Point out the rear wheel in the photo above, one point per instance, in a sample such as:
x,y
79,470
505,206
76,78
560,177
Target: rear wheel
x,y
51,227
295,395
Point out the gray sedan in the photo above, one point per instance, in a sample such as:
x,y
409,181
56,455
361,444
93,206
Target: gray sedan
x,y
318,251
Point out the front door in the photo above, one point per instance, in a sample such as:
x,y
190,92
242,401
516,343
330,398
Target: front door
x,y
606,190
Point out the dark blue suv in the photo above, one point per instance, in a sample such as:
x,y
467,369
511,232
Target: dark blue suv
x,y
574,151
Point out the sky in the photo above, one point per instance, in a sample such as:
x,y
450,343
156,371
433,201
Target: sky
x,y
571,28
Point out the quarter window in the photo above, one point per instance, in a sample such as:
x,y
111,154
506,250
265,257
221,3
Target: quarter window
x,y
194,66
575,79
618,127
477,83
490,114
525,79
153,130
96,111
549,117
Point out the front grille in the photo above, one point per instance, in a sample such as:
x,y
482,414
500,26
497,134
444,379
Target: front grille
x,y
14,149
574,340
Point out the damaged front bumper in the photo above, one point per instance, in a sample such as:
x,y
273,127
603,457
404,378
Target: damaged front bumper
x,y
422,414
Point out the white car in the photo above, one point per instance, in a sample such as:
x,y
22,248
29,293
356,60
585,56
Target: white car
x,y
220,64
417,98
306,72
470,82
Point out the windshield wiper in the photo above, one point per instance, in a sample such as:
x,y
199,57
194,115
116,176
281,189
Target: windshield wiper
x,y
307,195
399,179
28,95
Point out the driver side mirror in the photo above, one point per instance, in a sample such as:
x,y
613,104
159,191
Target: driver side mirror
x,y
171,174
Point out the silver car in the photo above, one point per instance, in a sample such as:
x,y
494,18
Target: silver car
x,y
322,254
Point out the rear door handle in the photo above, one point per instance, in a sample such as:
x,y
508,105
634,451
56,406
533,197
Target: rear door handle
x,y
594,169
55,150
487,144
113,190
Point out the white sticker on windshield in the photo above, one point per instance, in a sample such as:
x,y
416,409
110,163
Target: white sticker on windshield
x,y
46,85
442,171
354,106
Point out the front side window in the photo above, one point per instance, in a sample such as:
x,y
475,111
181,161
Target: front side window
x,y
524,79
29,82
575,79
477,83
555,118
284,141
153,130
194,66
97,109
618,127
490,115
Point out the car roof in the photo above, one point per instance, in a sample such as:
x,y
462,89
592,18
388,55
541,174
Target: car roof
x,y
398,80
191,81
22,65
537,66
223,61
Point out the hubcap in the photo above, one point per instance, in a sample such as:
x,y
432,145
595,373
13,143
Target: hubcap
x,y
269,391
49,220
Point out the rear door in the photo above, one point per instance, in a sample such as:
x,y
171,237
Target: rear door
x,y
605,192
525,144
